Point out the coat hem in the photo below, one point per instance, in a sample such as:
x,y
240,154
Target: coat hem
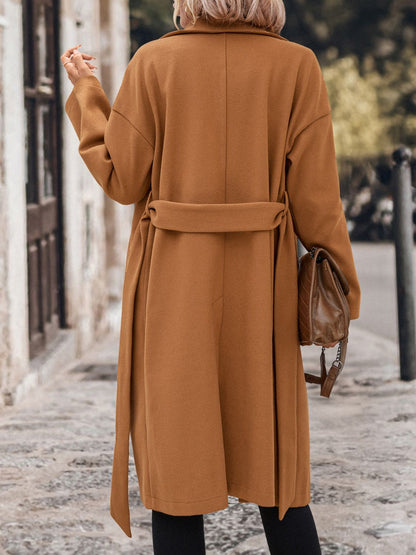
x,y
185,508
214,504
245,496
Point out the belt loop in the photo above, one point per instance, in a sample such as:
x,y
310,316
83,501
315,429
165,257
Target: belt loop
x,y
146,207
286,202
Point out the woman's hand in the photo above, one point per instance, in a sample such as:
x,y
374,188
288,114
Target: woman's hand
x,y
76,65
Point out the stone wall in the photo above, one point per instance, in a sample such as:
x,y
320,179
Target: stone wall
x,y
95,228
14,305
4,329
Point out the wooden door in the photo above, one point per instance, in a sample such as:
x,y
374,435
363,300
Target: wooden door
x,y
43,176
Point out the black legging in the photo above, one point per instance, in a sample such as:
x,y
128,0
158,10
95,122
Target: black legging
x,y
184,535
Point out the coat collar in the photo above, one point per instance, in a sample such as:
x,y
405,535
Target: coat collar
x,y
203,26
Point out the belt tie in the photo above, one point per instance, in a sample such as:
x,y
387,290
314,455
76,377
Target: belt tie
x,y
207,218
216,217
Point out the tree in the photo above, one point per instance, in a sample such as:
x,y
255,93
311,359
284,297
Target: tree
x,y
149,19
379,36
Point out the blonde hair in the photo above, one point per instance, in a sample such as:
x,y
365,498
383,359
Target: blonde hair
x,y
268,14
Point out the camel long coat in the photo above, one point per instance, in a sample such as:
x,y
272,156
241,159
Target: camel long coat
x,y
222,138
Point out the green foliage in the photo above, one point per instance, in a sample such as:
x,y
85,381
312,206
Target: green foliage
x,y
368,55
381,37
397,97
359,128
149,19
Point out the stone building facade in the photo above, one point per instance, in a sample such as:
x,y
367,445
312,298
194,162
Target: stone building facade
x,y
63,242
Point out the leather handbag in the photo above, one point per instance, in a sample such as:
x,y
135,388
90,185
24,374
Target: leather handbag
x,y
323,311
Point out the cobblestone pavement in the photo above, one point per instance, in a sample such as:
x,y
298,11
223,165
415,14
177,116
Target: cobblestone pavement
x,y
56,454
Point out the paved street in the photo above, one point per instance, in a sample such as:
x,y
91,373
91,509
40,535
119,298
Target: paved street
x,y
377,274
56,453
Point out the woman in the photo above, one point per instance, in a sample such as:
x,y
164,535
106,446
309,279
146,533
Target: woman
x,y
221,136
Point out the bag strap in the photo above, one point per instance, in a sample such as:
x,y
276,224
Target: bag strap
x,y
327,379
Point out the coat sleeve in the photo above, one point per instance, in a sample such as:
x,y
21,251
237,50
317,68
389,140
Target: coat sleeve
x,y
113,146
313,188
